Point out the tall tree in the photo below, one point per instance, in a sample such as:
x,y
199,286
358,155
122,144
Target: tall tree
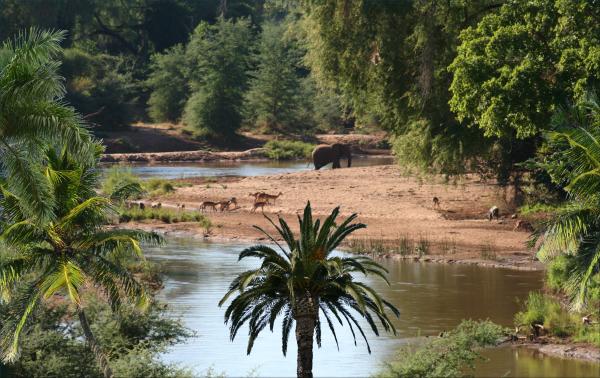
x,y
389,59
219,55
274,99
33,116
519,64
304,280
64,254
168,83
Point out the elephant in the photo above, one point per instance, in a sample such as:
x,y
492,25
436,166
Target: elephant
x,y
324,154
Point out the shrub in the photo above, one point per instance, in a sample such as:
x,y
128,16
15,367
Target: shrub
x,y
287,150
556,320
165,215
117,177
447,356
158,187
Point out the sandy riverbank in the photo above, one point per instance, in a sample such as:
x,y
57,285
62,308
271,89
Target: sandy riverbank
x,y
393,206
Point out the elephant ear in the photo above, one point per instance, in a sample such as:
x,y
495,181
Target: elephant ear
x,y
337,148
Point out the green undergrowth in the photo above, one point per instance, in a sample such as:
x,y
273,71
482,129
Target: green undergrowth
x,y
164,215
557,321
288,150
447,356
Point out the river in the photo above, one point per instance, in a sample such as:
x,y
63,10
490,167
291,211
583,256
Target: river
x,y
431,298
236,168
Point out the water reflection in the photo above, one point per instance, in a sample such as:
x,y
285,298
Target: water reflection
x,y
431,298
224,168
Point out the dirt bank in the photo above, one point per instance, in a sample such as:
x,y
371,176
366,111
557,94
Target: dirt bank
x,y
396,208
184,156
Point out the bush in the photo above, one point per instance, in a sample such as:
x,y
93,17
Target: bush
x,y
117,177
556,320
165,215
158,187
447,356
287,150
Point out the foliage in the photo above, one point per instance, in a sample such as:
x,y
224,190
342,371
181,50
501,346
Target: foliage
x,y
305,279
547,311
53,346
274,97
33,115
574,229
116,178
168,83
165,215
389,61
101,87
219,55
447,356
287,150
58,257
518,65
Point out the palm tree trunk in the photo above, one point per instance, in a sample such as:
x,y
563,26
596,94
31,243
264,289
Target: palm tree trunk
x,y
94,346
305,314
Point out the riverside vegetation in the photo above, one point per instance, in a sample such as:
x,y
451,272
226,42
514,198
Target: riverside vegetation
x,y
503,90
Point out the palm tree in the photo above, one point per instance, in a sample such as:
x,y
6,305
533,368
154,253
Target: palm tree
x,y
33,116
304,280
71,251
575,228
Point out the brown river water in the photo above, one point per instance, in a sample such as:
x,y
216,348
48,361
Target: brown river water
x,y
431,298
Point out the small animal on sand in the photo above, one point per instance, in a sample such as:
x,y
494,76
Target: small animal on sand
x,y
267,197
156,205
523,225
210,204
436,202
258,204
494,212
181,206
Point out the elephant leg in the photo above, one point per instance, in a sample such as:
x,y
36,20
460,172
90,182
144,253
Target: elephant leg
x,y
336,164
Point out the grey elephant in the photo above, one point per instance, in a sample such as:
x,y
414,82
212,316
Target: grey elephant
x,y
324,154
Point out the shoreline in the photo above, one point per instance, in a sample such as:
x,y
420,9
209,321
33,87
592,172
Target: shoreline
x,y
190,230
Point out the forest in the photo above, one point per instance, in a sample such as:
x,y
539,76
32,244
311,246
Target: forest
x,y
502,90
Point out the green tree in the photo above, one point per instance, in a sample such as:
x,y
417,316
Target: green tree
x,y
274,98
61,255
388,60
219,56
574,230
33,116
168,85
100,86
305,280
517,65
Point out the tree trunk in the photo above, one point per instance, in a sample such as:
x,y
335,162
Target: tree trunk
x,y
305,314
94,346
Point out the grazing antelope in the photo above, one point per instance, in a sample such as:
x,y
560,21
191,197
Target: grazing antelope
x,y
156,205
258,204
266,197
224,205
436,202
206,204
256,195
494,212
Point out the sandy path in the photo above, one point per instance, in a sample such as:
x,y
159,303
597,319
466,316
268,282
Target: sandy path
x,y
390,203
